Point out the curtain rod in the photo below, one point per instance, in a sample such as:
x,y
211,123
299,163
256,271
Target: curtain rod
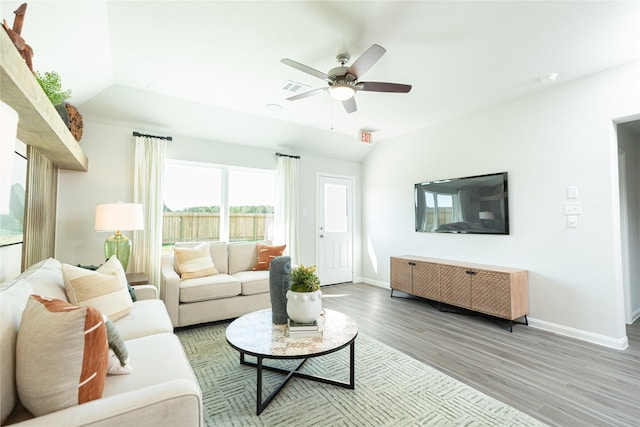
x,y
287,155
168,138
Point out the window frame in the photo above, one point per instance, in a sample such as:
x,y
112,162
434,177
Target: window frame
x,y
225,209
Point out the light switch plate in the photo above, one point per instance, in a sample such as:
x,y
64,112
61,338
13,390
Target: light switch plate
x,y
572,208
572,221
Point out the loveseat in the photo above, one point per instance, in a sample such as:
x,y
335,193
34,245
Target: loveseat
x,y
160,390
233,288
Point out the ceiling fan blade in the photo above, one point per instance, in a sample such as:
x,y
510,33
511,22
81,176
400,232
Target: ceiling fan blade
x,y
305,68
366,60
383,87
306,94
350,105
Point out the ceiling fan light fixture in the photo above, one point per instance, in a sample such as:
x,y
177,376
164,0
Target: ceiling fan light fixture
x,y
342,91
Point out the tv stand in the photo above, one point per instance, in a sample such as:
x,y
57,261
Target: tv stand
x,y
496,291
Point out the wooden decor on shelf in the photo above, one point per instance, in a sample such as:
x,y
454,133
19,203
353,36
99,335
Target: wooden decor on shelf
x,y
14,33
75,121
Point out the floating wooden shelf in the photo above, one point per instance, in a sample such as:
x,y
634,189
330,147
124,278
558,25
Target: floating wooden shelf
x,y
39,124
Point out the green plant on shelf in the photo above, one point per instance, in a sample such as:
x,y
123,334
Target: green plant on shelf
x,y
304,279
50,82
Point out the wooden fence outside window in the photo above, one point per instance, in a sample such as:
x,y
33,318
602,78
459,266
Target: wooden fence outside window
x,y
205,227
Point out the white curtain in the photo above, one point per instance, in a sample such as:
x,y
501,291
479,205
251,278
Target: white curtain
x,y
148,188
286,210
457,207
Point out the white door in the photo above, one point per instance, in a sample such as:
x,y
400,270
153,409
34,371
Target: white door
x,y
335,229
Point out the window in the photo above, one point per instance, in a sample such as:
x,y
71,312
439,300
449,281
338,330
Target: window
x,y
335,208
440,209
251,201
206,203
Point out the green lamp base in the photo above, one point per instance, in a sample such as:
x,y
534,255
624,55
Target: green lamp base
x,y
120,246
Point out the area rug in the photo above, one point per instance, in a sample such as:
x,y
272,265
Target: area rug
x,y
392,389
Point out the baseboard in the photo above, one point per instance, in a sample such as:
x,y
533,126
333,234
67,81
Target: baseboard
x,y
618,344
373,282
635,315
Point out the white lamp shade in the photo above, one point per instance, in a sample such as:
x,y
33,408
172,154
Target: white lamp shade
x,y
119,216
486,215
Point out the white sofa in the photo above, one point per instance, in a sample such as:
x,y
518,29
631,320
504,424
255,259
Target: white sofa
x,y
235,291
162,390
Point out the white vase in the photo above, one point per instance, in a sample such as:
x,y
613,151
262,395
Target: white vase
x,y
304,307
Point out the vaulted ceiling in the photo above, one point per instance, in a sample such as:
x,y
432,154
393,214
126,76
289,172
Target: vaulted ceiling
x,y
207,69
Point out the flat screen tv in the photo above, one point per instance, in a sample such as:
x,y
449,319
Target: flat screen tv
x,y
470,205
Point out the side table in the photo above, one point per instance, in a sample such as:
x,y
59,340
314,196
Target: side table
x,y
136,279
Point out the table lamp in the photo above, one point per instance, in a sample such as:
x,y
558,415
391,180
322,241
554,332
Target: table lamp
x,y
116,217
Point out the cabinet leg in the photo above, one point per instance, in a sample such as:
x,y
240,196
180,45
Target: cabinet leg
x,y
391,292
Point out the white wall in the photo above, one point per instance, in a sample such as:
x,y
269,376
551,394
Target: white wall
x,y
548,141
110,150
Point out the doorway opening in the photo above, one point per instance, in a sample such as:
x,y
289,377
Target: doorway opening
x,y
628,134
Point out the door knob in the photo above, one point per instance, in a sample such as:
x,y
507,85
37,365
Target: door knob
x,y
322,235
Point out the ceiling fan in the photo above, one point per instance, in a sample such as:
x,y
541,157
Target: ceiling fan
x,y
344,82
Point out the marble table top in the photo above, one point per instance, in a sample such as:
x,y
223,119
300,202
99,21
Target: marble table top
x,y
255,334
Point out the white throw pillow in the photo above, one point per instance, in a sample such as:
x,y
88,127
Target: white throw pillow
x,y
118,353
195,262
115,367
105,289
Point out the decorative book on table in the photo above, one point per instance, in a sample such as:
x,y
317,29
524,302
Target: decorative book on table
x,y
303,330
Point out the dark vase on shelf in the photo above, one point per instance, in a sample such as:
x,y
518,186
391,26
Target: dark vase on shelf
x,y
64,114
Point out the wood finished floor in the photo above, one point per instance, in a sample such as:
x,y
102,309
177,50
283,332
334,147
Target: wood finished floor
x,y
558,380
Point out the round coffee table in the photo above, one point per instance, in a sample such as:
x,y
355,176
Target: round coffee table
x,y
255,334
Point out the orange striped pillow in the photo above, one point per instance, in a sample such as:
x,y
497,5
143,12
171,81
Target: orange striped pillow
x,y
265,254
61,355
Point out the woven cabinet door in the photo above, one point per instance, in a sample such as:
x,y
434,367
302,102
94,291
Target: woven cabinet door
x,y
426,280
401,275
455,286
491,293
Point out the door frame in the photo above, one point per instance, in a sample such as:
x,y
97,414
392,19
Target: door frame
x,y
350,207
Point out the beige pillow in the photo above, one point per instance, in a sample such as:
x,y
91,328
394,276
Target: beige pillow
x,y
105,289
265,254
61,355
195,262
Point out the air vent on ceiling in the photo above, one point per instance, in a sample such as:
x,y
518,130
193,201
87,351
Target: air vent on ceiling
x,y
295,87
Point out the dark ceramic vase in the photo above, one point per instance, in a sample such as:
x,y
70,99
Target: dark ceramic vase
x,y
279,284
64,114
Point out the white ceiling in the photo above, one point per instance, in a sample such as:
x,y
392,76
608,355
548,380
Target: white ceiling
x,y
206,69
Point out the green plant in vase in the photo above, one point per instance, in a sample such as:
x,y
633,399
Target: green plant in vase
x,y
304,298
304,279
51,84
